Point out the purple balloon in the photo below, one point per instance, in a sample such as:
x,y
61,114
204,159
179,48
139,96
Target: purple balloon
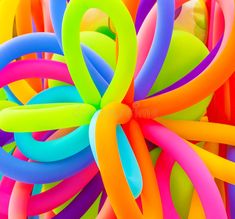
x,y
143,10
102,200
83,201
5,138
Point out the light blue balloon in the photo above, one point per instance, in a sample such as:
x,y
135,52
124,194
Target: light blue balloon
x,y
128,160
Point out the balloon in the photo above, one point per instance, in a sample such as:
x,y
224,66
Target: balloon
x,y
193,18
180,61
103,46
117,109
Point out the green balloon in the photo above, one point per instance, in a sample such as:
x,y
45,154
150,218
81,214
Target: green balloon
x,y
100,43
106,31
57,210
185,52
180,185
3,95
63,206
54,83
93,210
181,189
154,154
194,112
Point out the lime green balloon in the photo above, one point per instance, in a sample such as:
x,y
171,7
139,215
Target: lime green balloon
x,y
55,83
93,210
181,186
3,95
194,112
48,186
154,154
125,67
9,147
57,210
4,104
106,31
63,206
42,117
181,191
185,53
103,45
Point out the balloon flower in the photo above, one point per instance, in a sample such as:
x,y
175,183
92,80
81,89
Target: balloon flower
x,y
117,109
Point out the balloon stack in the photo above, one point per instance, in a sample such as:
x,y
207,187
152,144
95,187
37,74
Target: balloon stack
x,y
117,109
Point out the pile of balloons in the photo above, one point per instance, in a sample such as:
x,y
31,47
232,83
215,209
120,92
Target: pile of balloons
x,y
117,109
